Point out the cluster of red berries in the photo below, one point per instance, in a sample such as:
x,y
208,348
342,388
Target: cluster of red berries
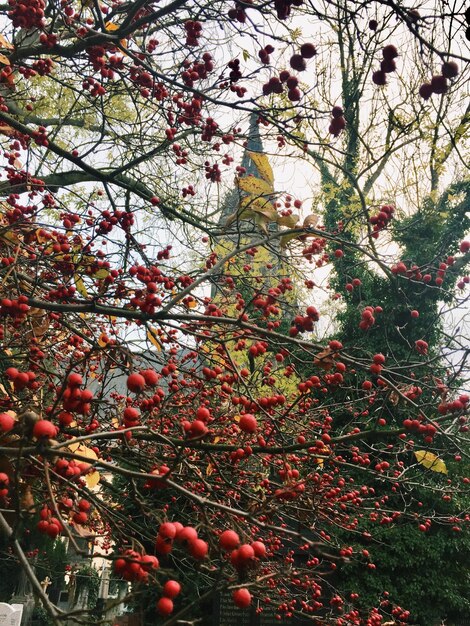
x,y
157,483
171,589
238,12
264,54
338,123
21,380
421,346
439,84
4,482
193,32
27,14
276,85
304,323
137,382
197,70
378,361
186,536
16,308
367,318
48,524
283,7
74,398
381,219
454,406
387,65
40,136
135,567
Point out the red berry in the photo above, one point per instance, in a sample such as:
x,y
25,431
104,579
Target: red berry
x,y
199,549
450,69
136,382
248,423
171,589
151,377
7,422
439,84
308,50
426,91
229,540
203,413
389,52
74,380
297,63
165,606
167,530
259,549
44,429
242,598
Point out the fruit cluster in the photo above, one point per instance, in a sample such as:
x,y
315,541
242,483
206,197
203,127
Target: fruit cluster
x,y
338,123
135,567
381,219
387,65
27,14
20,380
439,84
185,536
193,32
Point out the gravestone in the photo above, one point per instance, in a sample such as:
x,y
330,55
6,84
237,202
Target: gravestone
x,y
10,614
227,614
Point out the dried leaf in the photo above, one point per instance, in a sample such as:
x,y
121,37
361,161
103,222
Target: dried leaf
x,y
5,60
324,360
311,221
5,44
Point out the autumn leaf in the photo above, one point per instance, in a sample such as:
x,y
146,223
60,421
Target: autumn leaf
x,y
5,44
430,461
80,285
324,360
289,221
5,60
263,166
255,186
153,338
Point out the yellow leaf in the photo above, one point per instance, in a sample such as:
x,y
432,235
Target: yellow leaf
x,y
6,130
263,166
152,337
101,273
5,44
80,449
80,285
92,479
288,220
430,461
209,469
255,186
111,26
5,60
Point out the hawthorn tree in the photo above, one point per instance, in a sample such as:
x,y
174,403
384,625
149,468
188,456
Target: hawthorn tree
x,y
255,452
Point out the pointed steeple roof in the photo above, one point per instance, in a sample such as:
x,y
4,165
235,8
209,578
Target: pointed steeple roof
x,y
254,143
